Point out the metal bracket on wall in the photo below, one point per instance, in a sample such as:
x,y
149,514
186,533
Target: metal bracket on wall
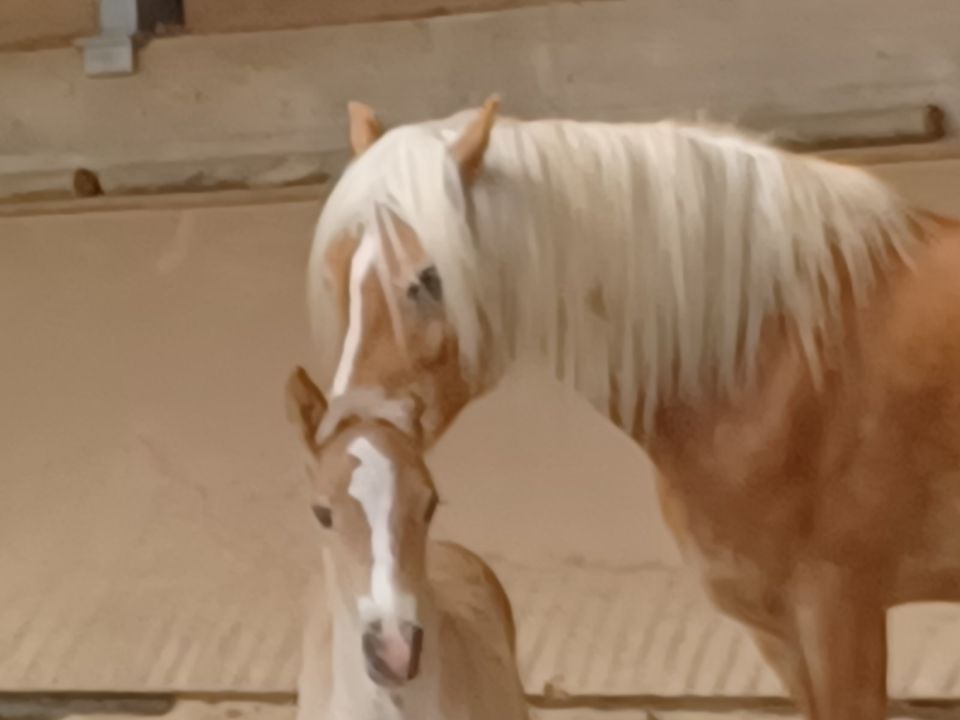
x,y
122,24
112,51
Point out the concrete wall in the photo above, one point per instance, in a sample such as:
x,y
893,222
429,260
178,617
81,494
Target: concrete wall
x,y
282,95
44,23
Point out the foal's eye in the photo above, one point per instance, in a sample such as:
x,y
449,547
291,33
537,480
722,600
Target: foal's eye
x,y
323,515
432,507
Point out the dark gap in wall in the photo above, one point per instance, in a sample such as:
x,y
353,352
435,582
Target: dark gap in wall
x,y
159,17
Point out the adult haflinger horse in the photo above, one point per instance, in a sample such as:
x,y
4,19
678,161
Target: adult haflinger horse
x,y
404,628
781,333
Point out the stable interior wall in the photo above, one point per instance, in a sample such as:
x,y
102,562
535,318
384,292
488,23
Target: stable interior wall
x,y
154,521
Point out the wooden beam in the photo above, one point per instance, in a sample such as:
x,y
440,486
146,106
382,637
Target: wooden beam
x,y
316,190
822,132
184,177
280,176
224,16
309,193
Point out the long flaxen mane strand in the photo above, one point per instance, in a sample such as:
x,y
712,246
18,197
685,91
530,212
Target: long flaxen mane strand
x,y
648,253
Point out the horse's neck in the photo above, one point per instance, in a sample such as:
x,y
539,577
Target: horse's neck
x,y
721,439
541,242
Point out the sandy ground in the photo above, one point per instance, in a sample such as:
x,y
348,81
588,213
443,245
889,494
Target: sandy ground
x,y
258,710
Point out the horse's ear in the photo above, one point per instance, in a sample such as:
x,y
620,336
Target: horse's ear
x,y
365,128
470,147
306,404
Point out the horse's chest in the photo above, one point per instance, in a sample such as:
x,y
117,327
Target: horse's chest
x,y
738,536
930,568
735,522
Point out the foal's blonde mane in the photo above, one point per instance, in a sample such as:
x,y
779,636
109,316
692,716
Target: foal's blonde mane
x,y
648,253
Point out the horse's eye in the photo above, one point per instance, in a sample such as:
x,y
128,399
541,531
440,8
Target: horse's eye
x,y
432,507
429,281
323,515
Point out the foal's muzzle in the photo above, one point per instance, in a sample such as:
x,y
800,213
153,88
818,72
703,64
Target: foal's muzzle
x,y
392,657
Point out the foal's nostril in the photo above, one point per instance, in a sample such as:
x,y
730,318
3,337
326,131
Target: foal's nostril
x,y
392,659
416,647
371,644
378,669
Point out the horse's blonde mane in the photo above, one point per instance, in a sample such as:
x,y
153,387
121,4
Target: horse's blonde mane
x,y
648,253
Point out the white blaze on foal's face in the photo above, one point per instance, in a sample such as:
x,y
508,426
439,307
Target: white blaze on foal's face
x,y
374,485
374,499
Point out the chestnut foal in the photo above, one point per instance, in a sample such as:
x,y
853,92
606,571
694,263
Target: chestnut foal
x,y
402,627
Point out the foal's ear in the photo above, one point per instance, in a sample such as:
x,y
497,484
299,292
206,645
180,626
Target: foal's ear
x,y
365,128
470,147
306,404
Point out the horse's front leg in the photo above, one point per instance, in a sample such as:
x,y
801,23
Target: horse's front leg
x,y
841,626
787,661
